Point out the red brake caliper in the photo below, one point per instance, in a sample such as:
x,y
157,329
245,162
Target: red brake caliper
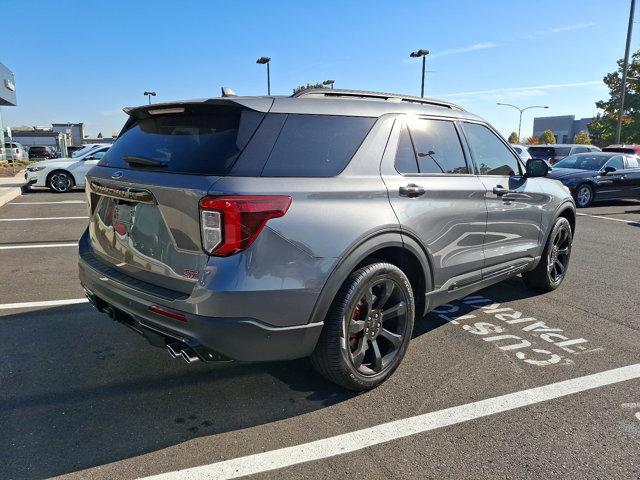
x,y
356,316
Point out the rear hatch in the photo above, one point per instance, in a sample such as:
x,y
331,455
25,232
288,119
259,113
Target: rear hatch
x,y
144,193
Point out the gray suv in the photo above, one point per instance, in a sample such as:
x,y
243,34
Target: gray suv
x,y
323,224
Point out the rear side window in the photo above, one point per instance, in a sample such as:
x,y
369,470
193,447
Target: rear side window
x,y
316,145
435,148
632,162
204,139
490,154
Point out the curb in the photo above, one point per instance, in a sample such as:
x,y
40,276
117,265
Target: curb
x,y
12,193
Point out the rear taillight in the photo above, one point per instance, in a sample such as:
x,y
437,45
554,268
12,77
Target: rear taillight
x,y
17,151
230,224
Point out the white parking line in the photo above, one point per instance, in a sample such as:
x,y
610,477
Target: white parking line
x,y
39,218
46,303
628,222
37,245
47,203
360,439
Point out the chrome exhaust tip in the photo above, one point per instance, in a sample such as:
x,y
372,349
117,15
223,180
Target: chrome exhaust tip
x,y
189,356
174,349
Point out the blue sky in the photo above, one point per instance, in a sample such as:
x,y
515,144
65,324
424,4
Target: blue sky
x,y
85,60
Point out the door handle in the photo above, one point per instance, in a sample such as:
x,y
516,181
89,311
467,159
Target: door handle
x,y
499,190
412,190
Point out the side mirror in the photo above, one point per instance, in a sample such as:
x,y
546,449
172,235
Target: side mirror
x,y
608,170
537,168
90,157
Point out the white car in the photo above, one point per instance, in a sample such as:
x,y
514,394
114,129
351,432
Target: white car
x,y
522,152
87,148
62,174
14,151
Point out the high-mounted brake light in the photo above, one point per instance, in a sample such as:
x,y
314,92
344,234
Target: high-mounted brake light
x,y
230,224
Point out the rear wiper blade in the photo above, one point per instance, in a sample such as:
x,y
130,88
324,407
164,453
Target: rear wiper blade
x,y
144,162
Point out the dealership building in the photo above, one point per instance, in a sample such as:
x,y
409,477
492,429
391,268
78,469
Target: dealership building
x,y
7,99
564,127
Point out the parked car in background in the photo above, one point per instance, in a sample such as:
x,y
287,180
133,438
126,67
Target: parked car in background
x,y
322,225
62,174
599,176
41,152
522,151
73,149
628,149
86,148
14,151
552,153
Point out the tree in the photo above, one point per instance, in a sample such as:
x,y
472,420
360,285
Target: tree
x,y
513,138
603,128
547,137
532,141
307,87
582,138
99,134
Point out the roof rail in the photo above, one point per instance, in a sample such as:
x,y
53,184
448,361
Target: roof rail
x,y
390,97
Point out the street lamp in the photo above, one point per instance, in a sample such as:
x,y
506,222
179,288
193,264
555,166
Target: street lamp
x,y
329,82
625,66
521,110
263,61
421,53
149,95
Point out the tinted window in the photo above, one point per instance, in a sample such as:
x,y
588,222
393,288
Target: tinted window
x,y
580,150
204,139
316,145
632,162
406,155
583,162
438,147
491,155
616,162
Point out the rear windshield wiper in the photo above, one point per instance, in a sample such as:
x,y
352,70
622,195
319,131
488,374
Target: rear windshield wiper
x,y
144,162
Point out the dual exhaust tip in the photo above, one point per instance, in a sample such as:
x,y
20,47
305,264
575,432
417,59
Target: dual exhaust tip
x,y
181,350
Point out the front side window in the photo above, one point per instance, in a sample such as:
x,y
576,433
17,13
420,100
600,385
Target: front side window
x,y
490,154
616,162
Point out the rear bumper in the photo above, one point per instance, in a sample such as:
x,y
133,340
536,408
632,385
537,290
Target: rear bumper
x,y
243,339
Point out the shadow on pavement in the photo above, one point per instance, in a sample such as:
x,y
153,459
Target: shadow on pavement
x,y
80,390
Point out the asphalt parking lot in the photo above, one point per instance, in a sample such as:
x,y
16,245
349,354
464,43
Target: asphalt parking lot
x,y
83,397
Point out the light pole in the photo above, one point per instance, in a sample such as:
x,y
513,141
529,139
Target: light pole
x,y
521,110
421,53
329,82
149,95
263,61
625,67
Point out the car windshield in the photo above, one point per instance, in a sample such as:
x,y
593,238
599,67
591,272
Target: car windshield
x,y
583,161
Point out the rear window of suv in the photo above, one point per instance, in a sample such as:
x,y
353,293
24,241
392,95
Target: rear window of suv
x,y
202,139
210,140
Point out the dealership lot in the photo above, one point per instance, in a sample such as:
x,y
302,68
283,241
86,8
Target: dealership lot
x,y
85,398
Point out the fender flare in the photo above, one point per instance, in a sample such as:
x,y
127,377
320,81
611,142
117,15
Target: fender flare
x,y
355,255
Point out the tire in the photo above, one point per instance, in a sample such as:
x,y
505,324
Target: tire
x,y
367,329
60,181
553,266
584,195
